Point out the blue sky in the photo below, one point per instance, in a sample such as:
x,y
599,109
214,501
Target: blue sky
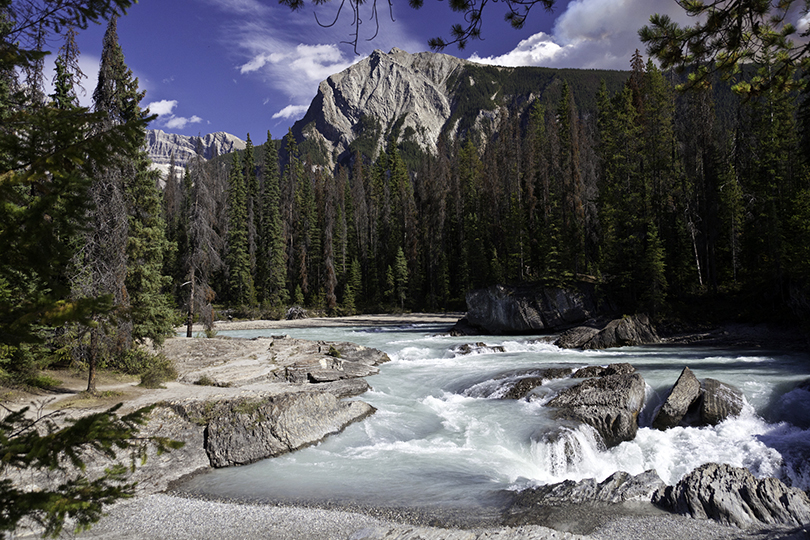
x,y
249,66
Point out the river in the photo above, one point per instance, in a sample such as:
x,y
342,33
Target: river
x,y
441,437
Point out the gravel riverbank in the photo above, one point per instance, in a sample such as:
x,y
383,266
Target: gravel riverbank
x,y
167,517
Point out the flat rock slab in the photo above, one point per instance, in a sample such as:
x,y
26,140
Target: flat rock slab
x,y
235,362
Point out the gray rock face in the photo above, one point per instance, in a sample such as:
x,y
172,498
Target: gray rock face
x,y
684,393
244,430
718,402
617,488
609,404
527,308
161,145
633,330
387,88
598,371
732,496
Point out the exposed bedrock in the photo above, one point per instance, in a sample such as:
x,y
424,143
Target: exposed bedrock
x,y
733,496
243,430
610,404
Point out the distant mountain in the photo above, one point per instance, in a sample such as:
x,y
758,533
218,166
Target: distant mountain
x,y
161,145
422,96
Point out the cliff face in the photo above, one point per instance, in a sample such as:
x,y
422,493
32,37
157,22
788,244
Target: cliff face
x,y
160,146
384,89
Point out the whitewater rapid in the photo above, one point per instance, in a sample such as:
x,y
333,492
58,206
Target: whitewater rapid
x,y
443,436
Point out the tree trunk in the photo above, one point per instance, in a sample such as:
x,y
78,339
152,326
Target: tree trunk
x,y
190,321
92,361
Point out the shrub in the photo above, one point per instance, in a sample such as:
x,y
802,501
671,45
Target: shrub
x,y
160,371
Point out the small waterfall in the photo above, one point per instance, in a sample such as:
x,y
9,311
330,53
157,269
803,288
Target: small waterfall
x,y
567,453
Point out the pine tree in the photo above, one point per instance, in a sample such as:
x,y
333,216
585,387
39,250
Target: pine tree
x,y
237,259
271,261
401,277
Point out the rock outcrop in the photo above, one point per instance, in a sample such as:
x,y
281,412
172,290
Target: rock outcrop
x,y
698,403
243,430
363,100
610,404
733,496
627,331
617,488
526,309
684,393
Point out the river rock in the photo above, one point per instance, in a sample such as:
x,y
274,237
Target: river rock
x,y
719,401
243,430
622,368
683,395
521,387
617,488
527,309
609,404
733,496
627,331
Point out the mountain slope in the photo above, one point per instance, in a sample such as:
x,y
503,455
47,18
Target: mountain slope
x,y
421,96
161,145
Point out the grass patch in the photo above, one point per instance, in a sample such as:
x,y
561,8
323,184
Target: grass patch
x,y
42,381
86,399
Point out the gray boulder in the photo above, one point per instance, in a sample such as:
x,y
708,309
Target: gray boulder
x,y
622,368
733,496
718,402
617,488
627,331
520,388
609,404
683,395
528,308
243,430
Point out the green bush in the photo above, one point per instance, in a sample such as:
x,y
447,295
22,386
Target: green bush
x,y
41,381
133,362
160,371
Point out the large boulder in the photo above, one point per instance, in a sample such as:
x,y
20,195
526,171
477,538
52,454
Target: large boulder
x,y
609,404
733,496
627,331
683,395
527,309
243,430
718,402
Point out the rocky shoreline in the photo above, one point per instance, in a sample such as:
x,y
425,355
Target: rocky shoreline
x,y
308,381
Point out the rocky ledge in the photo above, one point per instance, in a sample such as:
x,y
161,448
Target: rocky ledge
x,y
237,401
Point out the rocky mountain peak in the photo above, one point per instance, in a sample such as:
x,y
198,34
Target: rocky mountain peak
x,y
393,87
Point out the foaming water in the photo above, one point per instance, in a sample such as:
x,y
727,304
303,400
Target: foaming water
x,y
442,435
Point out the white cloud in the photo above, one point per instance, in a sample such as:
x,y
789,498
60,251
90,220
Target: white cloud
x,y
590,34
166,117
178,122
291,111
163,107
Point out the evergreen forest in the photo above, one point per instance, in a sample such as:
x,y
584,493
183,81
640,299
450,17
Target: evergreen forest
x,y
689,206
